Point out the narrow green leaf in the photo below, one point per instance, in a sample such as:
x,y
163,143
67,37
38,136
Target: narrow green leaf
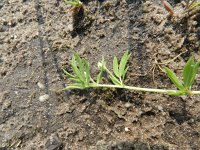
x,y
123,63
68,74
116,67
195,69
87,72
76,70
174,78
115,80
188,72
124,74
99,77
77,80
80,63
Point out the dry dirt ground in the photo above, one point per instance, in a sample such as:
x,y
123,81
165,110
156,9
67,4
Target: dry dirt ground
x,y
37,40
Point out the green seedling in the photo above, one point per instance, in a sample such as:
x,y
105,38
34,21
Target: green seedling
x,y
82,79
74,3
189,74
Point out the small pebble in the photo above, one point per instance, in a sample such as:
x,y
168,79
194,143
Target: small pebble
x,y
127,105
160,108
6,104
70,27
40,85
43,98
126,129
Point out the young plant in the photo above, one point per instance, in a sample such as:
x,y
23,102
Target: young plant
x,y
82,78
189,74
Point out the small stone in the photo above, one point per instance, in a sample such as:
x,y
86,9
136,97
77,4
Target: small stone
x,y
3,28
127,129
127,105
70,27
40,85
168,30
160,108
6,104
53,143
3,96
43,98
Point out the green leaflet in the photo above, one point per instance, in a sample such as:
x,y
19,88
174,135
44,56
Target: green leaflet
x,y
120,69
123,62
174,78
81,71
76,70
86,72
68,74
124,74
80,63
195,69
115,80
116,67
188,72
99,77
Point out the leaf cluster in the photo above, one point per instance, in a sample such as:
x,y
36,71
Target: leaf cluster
x,y
120,69
81,70
189,74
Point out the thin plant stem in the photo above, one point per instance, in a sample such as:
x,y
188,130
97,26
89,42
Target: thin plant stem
x,y
195,92
163,91
132,88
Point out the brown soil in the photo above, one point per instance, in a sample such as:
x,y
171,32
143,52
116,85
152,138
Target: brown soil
x,y
38,38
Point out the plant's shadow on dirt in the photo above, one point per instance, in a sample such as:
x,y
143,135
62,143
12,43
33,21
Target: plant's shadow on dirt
x,y
135,145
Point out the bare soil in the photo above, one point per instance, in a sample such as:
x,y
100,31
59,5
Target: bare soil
x,y
37,40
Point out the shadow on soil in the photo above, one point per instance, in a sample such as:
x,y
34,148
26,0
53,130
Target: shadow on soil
x,y
136,145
